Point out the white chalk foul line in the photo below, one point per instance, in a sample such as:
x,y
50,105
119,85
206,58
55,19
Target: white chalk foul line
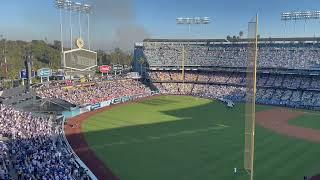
x,y
168,135
222,125
312,113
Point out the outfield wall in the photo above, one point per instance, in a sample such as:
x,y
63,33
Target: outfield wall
x,y
77,159
260,101
77,111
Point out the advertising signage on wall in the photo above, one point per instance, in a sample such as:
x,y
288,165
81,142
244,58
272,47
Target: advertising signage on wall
x,y
44,72
105,68
95,106
23,74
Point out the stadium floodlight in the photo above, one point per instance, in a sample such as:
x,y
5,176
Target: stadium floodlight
x,y
59,4
88,10
206,20
69,5
79,8
193,20
299,16
179,20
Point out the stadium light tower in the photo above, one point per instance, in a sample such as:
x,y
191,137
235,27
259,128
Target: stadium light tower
x,y
59,4
299,16
70,7
189,21
192,21
79,8
88,10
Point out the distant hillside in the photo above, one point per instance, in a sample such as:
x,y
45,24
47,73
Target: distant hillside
x,y
48,55
45,55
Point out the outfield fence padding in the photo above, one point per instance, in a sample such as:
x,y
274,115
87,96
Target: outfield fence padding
x,y
77,111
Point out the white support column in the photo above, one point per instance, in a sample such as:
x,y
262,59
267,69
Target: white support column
x,y
70,21
89,44
61,33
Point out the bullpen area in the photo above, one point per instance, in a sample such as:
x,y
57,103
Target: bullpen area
x,y
189,138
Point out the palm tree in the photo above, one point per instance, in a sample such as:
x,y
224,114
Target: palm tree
x,y
258,36
141,62
228,37
241,34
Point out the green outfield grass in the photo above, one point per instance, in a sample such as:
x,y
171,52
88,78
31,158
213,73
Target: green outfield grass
x,y
187,138
308,120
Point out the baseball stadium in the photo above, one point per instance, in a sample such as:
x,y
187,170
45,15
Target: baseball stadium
x,y
235,108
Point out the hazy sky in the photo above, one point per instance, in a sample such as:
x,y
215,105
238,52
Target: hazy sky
x,y
121,22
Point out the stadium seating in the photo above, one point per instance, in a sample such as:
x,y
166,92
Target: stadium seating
x,y
277,86
285,90
94,92
288,56
30,148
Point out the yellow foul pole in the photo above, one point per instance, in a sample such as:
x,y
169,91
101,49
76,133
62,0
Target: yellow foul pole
x,y
183,59
253,105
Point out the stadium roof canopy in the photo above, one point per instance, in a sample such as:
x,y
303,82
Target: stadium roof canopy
x,y
184,40
293,39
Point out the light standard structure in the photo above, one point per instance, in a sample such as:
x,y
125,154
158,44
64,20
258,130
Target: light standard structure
x,y
78,8
189,21
299,16
193,21
69,5
60,4
78,60
88,10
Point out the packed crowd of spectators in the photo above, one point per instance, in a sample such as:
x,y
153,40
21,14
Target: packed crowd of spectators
x,y
282,89
94,91
31,148
290,56
307,82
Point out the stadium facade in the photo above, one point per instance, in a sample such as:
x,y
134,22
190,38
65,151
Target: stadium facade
x,y
288,69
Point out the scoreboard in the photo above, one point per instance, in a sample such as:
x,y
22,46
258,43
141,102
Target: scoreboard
x,y
79,59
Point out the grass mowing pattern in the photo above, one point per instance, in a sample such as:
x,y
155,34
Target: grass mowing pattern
x,y
308,120
181,137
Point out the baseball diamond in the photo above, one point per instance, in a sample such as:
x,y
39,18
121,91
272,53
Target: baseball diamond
x,y
155,137
138,90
